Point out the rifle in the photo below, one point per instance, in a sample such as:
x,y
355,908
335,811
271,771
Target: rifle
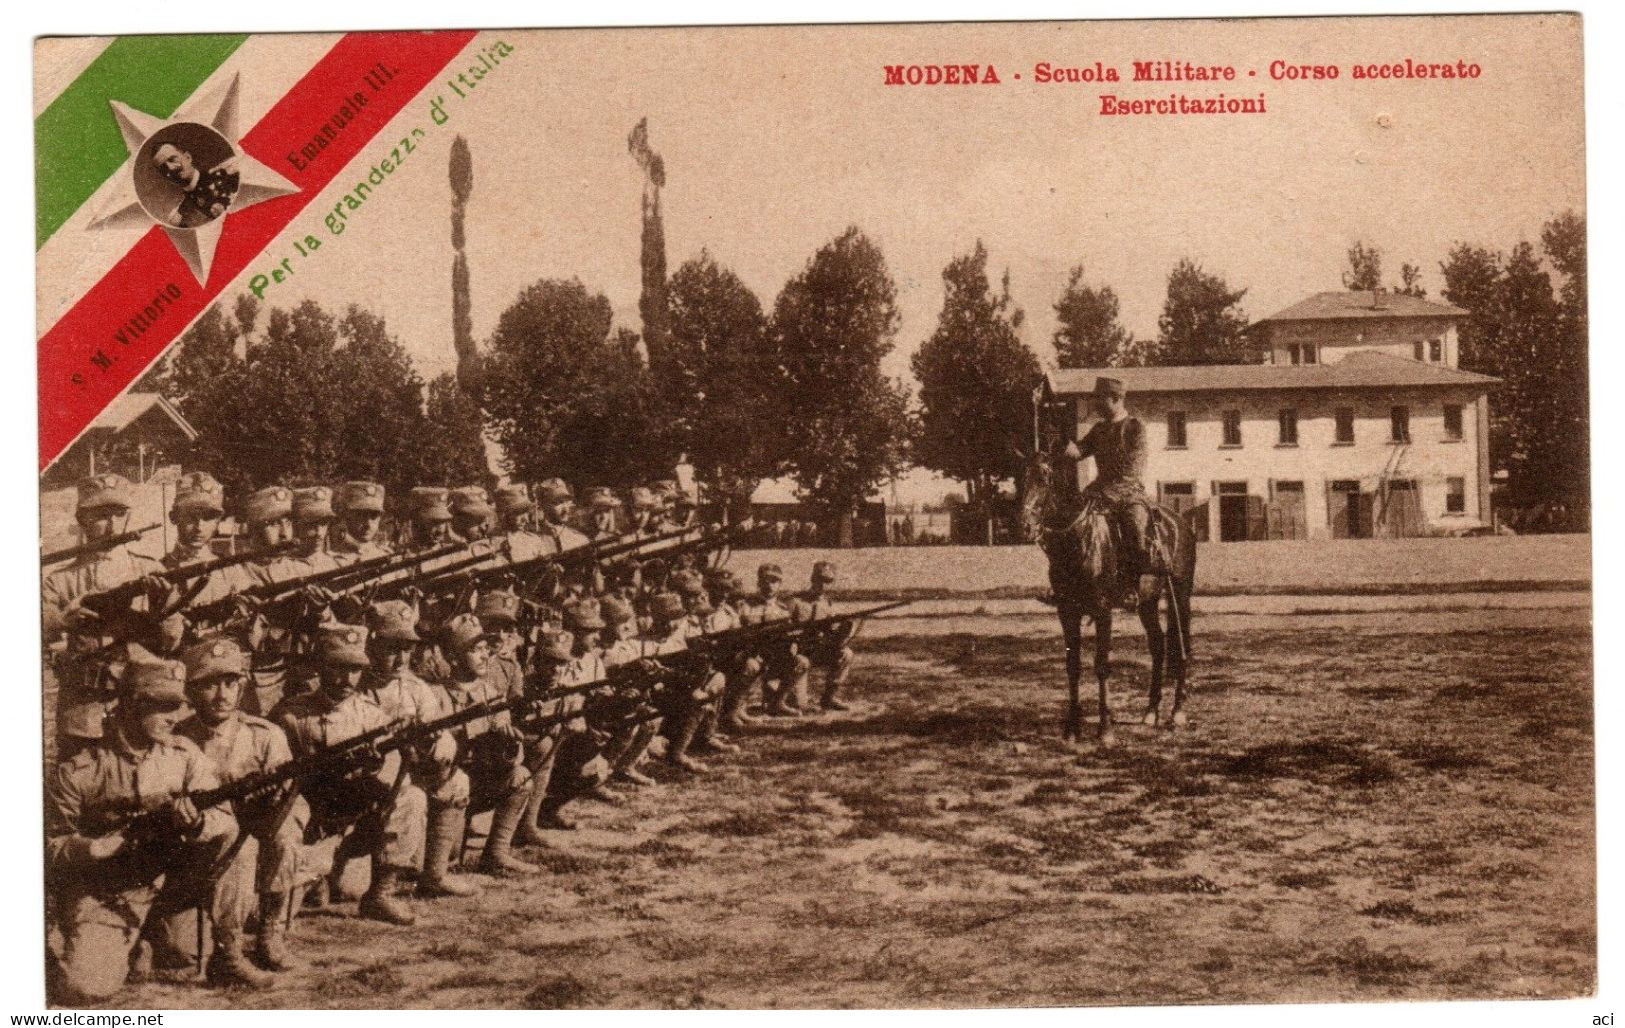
x,y
99,545
119,596
346,579
734,640
576,556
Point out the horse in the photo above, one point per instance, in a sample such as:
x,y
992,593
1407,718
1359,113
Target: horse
x,y
1082,547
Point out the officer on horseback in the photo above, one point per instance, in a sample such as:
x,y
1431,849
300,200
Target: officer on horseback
x,y
1117,443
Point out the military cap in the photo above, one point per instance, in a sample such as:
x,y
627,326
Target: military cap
x,y
722,578
472,501
429,503
770,571
687,582
603,498
365,497
341,645
269,504
461,633
666,606
393,621
158,682
823,571
197,492
668,488
1110,387
213,658
99,491
583,616
554,490
513,498
498,605
313,504
616,611
644,499
555,645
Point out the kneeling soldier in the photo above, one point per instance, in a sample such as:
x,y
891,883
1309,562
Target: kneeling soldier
x,y
375,807
125,846
830,651
257,886
492,749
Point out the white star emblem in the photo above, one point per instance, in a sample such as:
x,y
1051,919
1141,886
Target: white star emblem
x,y
187,174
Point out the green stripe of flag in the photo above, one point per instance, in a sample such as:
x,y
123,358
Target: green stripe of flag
x,y
76,141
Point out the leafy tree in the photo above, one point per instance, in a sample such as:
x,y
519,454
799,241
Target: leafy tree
x,y
653,307
716,379
845,423
1089,335
1201,321
568,399
976,380
1410,281
461,169
1365,268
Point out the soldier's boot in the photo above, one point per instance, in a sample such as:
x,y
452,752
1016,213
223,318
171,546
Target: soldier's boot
x,y
498,858
832,685
708,739
380,902
445,838
271,935
530,823
677,754
551,815
230,967
632,776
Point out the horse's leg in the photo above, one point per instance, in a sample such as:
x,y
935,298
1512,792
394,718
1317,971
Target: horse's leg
x,y
1179,618
1103,660
1157,642
1071,631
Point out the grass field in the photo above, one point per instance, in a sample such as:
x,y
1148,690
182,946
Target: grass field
x,y
1358,811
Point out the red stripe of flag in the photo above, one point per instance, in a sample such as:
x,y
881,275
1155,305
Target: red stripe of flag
x,y
152,264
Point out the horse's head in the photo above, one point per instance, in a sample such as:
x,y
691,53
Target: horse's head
x,y
1035,497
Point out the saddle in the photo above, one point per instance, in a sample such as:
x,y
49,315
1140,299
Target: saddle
x,y
1098,536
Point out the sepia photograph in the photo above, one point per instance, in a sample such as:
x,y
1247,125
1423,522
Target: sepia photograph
x,y
891,516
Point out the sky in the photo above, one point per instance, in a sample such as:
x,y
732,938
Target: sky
x,y
775,140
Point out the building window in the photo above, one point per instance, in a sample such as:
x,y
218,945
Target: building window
x,y
1345,424
1400,420
1452,421
1309,356
1232,428
1178,496
1292,354
1176,429
1435,350
1416,351
1289,427
1455,495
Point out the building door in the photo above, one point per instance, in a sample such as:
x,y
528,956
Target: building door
x,y
1349,510
1234,511
1287,518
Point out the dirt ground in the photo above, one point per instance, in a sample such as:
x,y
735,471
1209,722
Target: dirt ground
x,y
1357,811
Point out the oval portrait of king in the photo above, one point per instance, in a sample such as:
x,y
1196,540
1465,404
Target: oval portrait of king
x,y
186,175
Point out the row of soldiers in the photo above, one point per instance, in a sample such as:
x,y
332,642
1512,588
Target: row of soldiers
x,y
517,682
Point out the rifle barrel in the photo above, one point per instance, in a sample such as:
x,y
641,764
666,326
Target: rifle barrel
x,y
107,543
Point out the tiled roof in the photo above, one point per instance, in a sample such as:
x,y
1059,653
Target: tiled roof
x,y
1341,305
1364,369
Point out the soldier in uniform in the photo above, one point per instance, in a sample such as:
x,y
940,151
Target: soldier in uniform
x,y
603,513
377,805
109,877
514,509
643,511
312,517
555,503
205,195
725,592
1117,443
777,666
550,658
705,618
622,644
361,512
84,668
470,513
831,651
688,702
269,516
491,749
431,517
255,892
403,696
579,769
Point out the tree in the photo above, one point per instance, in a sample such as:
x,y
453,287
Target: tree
x,y
716,380
1089,335
1365,268
652,302
976,381
845,423
461,168
312,399
1410,281
567,399
1201,322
